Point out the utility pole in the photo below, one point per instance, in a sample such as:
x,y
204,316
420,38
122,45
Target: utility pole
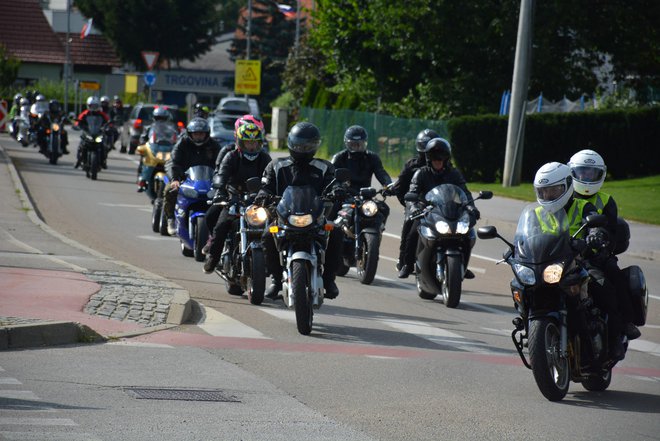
x,y
249,29
295,47
521,71
67,61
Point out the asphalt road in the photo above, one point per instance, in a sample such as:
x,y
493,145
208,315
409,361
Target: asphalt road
x,y
380,363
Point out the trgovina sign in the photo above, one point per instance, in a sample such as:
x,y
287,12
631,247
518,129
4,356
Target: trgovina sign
x,y
192,81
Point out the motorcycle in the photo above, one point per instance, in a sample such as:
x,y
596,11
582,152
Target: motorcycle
x,y
190,210
23,125
363,224
565,332
154,154
445,241
301,234
91,154
242,263
53,140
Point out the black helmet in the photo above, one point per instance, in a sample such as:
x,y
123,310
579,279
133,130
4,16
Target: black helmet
x,y
201,110
303,141
355,139
54,106
198,125
438,148
423,138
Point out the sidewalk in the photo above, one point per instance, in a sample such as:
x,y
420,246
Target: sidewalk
x,y
54,290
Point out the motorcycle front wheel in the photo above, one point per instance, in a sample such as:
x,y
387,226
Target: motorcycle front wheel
x,y
367,263
551,370
156,215
54,152
256,281
93,165
201,236
301,289
451,287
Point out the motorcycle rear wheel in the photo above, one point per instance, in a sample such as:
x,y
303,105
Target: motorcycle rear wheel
x,y
300,287
256,281
156,215
551,370
451,287
367,264
598,384
423,294
343,268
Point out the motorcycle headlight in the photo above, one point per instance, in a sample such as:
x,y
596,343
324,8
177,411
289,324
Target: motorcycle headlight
x,y
525,274
55,126
369,208
256,216
189,192
463,224
442,227
552,273
300,221
98,139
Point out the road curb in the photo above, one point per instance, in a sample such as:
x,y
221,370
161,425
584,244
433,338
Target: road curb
x,y
46,334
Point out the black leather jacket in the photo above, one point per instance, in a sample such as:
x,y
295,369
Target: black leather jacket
x,y
427,178
281,173
403,183
235,170
362,166
186,154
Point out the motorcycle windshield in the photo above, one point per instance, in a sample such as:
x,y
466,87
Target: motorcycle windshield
x,y
299,201
200,173
447,200
162,135
541,236
94,124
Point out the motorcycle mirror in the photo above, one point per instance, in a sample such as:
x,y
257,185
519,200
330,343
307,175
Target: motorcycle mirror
x,y
487,232
484,194
596,220
253,184
342,174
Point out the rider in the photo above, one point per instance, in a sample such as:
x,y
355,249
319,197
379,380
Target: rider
x,y
300,168
162,127
93,109
402,185
438,171
53,114
239,122
248,160
15,111
589,170
196,147
553,185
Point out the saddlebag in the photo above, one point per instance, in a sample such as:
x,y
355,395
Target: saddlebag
x,y
639,295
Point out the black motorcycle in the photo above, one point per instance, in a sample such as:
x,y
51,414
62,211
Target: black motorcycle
x,y
301,234
565,332
445,241
242,263
92,150
53,137
362,223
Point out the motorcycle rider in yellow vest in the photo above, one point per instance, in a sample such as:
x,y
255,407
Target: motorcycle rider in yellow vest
x,y
589,170
553,185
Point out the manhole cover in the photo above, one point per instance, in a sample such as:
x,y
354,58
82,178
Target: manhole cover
x,y
143,393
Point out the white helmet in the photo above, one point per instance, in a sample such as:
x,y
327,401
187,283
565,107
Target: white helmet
x,y
553,185
588,170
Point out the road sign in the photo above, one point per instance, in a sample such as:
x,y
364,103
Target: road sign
x,y
150,58
149,78
247,79
90,85
3,114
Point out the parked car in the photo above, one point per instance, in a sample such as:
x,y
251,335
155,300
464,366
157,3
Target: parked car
x,y
237,106
141,116
222,128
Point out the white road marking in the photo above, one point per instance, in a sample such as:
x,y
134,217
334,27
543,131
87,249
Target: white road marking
x,y
18,395
155,237
220,325
4,421
139,344
645,346
9,380
107,204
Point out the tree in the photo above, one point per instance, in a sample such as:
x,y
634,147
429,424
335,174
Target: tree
x,y
460,54
8,69
177,29
272,38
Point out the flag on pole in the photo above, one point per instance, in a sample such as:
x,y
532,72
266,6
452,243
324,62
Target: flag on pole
x,y
87,28
287,10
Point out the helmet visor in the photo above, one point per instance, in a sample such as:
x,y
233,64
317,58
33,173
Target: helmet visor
x,y
251,145
303,145
356,146
550,193
587,174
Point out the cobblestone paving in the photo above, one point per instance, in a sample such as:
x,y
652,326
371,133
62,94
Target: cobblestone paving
x,y
130,297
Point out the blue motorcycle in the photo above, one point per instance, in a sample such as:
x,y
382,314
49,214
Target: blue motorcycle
x,y
190,210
